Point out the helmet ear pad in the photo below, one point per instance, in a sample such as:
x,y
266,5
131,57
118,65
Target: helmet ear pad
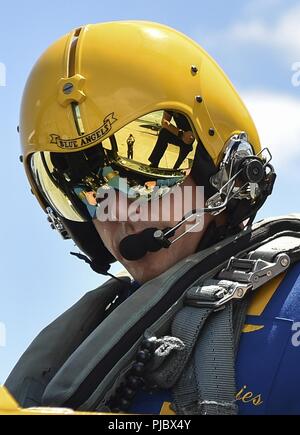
x,y
88,241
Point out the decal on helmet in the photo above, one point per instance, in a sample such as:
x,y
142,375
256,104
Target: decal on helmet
x,y
88,139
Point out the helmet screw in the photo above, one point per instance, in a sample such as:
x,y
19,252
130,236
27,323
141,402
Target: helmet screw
x,y
211,132
21,158
240,293
68,88
284,262
18,129
199,99
194,69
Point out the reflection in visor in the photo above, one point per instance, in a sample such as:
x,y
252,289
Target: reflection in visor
x,y
89,199
147,157
162,139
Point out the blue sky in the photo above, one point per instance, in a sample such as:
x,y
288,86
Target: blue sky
x,y
255,41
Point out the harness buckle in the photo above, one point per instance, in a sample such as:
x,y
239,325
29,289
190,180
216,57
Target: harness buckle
x,y
239,277
256,272
216,296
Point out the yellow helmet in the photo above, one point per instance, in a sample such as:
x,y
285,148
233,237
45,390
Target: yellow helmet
x,y
117,78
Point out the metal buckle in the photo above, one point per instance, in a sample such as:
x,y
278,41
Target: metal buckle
x,y
255,272
237,291
238,278
56,224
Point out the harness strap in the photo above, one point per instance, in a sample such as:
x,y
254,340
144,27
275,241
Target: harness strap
x,y
208,383
193,394
187,326
214,361
202,372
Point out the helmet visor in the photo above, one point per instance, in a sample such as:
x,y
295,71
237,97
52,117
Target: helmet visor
x,y
150,155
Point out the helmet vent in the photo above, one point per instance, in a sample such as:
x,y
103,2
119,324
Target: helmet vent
x,y
71,73
72,53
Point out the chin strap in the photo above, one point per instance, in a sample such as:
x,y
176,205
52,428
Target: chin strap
x,y
101,269
95,266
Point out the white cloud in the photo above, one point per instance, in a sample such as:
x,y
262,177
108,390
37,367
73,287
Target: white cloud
x,y
277,119
283,35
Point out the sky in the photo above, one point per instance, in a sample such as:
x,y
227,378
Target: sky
x,y
256,42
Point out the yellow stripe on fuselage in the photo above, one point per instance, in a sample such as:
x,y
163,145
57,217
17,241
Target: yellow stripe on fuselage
x,y
262,296
260,300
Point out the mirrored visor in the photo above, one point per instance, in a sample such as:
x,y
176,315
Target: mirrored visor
x,y
150,155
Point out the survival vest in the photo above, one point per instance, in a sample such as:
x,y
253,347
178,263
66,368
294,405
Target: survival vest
x,y
97,354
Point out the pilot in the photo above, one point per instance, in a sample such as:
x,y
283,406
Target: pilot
x,y
203,321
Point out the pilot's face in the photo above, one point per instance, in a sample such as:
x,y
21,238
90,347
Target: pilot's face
x,y
153,263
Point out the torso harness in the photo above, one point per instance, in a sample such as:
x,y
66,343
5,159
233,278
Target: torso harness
x,y
179,331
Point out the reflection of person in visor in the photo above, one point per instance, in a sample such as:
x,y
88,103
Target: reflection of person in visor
x,y
130,144
201,321
181,135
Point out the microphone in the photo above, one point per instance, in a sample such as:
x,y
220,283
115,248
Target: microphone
x,y
135,247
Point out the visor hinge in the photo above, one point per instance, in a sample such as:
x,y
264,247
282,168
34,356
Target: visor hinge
x,y
56,224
